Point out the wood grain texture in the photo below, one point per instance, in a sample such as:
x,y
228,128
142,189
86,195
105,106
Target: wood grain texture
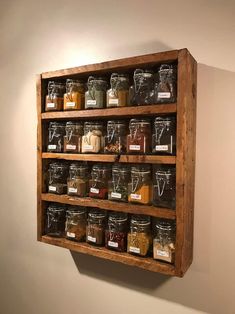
x,y
185,162
117,65
127,112
110,205
125,258
151,159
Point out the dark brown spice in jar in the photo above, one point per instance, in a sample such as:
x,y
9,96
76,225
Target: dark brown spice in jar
x,y
76,223
95,230
58,173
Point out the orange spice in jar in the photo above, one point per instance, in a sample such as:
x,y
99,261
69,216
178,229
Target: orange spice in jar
x,y
75,95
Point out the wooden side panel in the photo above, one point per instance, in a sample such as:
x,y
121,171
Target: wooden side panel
x,y
185,160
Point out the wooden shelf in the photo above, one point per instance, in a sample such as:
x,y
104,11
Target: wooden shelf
x,y
110,205
125,258
152,159
127,112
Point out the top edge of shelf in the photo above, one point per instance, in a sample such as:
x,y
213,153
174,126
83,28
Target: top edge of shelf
x,y
119,64
146,110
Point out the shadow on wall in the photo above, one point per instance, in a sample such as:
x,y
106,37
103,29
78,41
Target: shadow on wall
x,y
207,286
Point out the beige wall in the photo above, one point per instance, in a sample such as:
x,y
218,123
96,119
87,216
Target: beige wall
x,y
37,36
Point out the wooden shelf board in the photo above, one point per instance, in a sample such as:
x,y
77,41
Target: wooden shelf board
x,y
110,205
125,258
152,159
146,110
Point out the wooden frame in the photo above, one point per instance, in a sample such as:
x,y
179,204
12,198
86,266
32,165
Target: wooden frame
x,y
185,110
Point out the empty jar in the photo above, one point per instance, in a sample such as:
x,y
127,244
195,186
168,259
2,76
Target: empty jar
x,y
164,182
78,180
116,232
56,137
55,220
58,173
98,185
118,94
115,140
95,96
139,139
164,137
93,138
95,230
74,96
55,96
165,87
76,223
73,137
118,186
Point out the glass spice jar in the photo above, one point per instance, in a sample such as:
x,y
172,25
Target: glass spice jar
x,y
55,96
75,228
164,181
139,139
95,96
164,137
93,138
164,241
73,137
140,187
116,232
95,230
78,180
118,94
98,184
58,173
165,87
118,185
139,238
74,96
115,140
55,220
55,137
142,91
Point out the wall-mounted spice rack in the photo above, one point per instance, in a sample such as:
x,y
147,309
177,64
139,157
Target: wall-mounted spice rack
x,y
185,110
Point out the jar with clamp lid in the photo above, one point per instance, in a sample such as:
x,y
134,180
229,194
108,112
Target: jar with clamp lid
x,y
55,220
74,96
76,223
116,232
118,185
139,239
58,173
95,96
115,140
140,187
73,137
164,137
98,185
139,139
55,137
164,182
142,91
165,87
164,241
95,230
78,180
93,138
118,94
55,96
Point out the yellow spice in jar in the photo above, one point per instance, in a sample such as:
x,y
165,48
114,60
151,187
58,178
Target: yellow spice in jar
x,y
141,195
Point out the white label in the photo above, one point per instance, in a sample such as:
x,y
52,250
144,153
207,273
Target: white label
x,y
161,147
91,239
164,95
91,102
68,146
71,234
88,147
134,147
52,188
51,146
73,190
136,196
50,105
134,249
93,190
116,195
112,244
113,101
162,253
70,104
